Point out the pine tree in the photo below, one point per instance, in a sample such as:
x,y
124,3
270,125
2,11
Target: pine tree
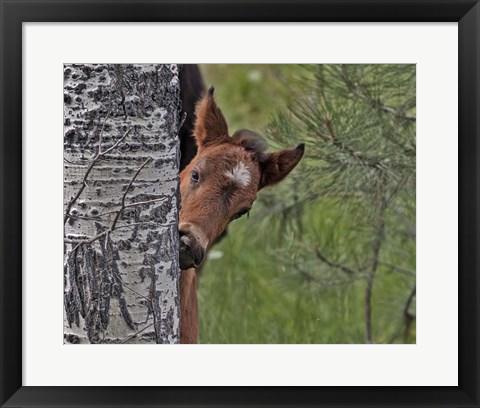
x,y
358,123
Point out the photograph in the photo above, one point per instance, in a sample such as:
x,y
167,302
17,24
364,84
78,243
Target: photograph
x,y
245,185
239,203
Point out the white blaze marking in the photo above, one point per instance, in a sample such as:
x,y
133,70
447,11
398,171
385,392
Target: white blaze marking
x,y
239,174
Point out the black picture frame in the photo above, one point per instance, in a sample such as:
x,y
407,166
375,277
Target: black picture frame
x,y
15,12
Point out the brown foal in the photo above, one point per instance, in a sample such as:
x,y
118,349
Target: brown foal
x,y
219,185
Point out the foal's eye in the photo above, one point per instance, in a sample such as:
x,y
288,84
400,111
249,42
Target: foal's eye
x,y
195,176
240,213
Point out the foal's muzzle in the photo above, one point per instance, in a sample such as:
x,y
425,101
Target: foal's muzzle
x,y
193,246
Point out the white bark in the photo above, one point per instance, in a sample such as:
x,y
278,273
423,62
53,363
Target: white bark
x,y
121,129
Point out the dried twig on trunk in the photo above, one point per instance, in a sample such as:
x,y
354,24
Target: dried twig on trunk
x,y
98,157
114,224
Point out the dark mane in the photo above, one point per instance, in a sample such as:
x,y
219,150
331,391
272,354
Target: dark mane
x,y
192,89
252,142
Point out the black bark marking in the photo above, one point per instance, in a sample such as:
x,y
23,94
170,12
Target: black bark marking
x,y
174,270
111,255
105,289
159,213
71,338
120,86
92,289
154,305
142,273
124,245
73,304
126,314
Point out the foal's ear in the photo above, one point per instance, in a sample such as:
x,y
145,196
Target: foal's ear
x,y
276,167
210,126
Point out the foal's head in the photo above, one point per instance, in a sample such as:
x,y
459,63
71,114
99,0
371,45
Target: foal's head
x,y
221,182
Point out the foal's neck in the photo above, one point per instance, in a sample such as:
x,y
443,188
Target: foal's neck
x,y
188,307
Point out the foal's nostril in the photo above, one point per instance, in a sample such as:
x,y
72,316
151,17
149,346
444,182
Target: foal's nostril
x,y
185,240
198,256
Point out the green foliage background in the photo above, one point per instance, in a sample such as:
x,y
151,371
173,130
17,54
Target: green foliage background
x,y
298,269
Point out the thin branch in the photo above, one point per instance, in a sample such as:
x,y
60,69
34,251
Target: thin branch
x,y
375,164
328,283
80,190
99,156
377,244
343,268
374,102
129,288
137,333
155,224
285,83
397,268
122,206
75,164
83,217
86,240
117,143
89,240
155,200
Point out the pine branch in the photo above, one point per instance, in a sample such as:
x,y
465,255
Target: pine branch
x,y
347,149
397,268
342,268
374,102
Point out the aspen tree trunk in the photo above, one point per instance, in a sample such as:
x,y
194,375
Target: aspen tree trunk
x,y
121,196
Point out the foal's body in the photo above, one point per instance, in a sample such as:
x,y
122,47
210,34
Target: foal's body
x,y
217,186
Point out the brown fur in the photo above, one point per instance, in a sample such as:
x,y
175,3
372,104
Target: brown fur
x,y
210,204
188,307
205,207
210,126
